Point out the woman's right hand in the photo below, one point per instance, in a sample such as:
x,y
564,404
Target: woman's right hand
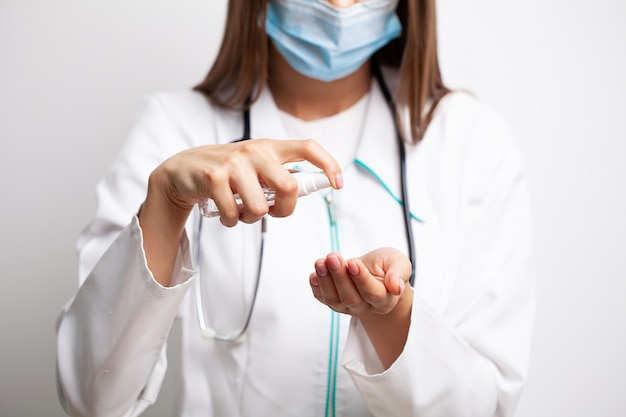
x,y
218,172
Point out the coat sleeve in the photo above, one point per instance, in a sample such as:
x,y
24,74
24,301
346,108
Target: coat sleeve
x,y
111,336
466,355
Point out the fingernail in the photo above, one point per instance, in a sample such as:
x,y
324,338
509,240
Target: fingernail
x,y
402,285
353,268
315,282
321,270
333,263
339,180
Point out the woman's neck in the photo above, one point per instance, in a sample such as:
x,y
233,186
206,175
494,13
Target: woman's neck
x,y
310,99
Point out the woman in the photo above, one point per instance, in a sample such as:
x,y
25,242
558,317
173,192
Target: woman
x,y
423,305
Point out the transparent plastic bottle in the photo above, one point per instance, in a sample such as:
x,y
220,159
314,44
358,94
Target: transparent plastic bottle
x,y
308,182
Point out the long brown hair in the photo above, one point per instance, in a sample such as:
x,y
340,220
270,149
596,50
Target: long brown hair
x,y
239,72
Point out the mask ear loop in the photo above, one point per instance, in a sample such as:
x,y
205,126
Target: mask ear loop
x,y
401,148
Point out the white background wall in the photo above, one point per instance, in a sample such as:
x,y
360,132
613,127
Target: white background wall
x,y
71,77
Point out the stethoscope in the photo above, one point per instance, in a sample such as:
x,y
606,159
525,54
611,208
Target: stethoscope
x,y
211,334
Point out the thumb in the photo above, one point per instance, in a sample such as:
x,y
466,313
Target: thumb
x,y
397,272
394,283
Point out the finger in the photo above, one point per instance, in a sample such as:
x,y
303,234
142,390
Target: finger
x,y
345,287
394,284
311,151
262,156
315,286
388,262
320,271
252,196
320,267
223,197
397,272
286,192
267,157
326,280
371,287
254,168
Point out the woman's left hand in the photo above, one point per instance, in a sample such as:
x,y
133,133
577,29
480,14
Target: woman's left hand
x,y
364,286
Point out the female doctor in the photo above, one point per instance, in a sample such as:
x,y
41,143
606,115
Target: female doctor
x,y
401,290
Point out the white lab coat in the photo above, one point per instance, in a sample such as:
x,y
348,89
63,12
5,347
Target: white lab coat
x,y
468,345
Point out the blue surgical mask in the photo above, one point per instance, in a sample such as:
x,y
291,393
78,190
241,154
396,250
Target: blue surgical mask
x,y
328,43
